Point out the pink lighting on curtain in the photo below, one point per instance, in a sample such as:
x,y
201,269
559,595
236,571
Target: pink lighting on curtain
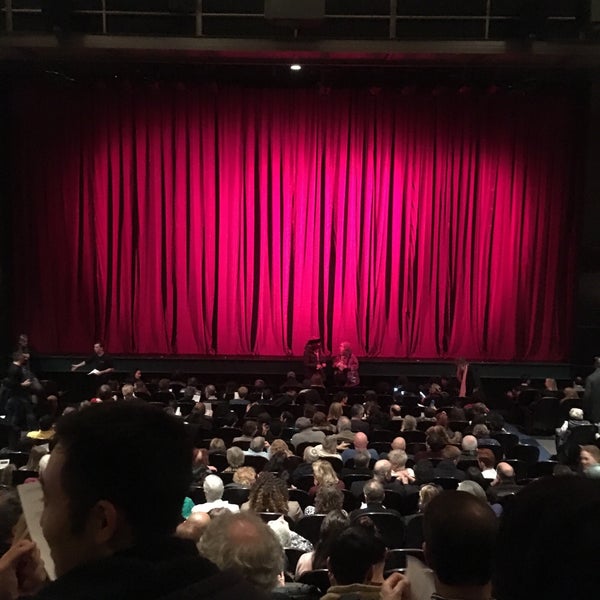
x,y
191,220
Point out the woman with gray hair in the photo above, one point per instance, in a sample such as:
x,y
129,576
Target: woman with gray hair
x,y
235,459
398,460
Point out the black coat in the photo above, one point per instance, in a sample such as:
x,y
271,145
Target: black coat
x,y
170,569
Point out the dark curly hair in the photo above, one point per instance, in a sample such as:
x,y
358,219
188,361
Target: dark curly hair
x,y
269,494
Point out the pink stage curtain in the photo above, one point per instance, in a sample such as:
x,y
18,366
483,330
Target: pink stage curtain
x,y
189,219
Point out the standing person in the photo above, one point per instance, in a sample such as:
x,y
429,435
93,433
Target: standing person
x,y
314,358
345,366
591,396
19,414
99,363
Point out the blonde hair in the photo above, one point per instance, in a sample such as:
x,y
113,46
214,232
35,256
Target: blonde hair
x,y
335,411
324,473
244,476
279,446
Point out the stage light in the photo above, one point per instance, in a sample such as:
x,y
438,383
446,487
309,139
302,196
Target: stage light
x,y
296,67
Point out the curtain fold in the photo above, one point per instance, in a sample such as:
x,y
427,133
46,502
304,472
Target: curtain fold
x,y
173,219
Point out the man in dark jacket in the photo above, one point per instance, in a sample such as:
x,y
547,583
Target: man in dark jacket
x,y
591,396
113,492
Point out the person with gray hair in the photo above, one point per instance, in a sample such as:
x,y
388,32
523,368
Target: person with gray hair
x,y
235,459
374,495
344,430
469,447
257,448
306,433
565,451
213,491
398,460
243,542
473,488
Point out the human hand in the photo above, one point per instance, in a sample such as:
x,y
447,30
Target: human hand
x,y
74,367
21,571
26,383
395,587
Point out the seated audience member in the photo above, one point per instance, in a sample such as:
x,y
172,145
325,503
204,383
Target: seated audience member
x,y
409,423
320,423
324,475
427,493
344,431
487,463
473,488
213,490
382,472
336,410
447,466
104,542
243,477
305,468
249,430
329,448
460,532
277,465
504,484
482,433
398,443
241,396
361,442
436,441
570,396
200,466
235,459
329,497
288,538
279,446
589,456
454,437
357,413
548,542
374,494
395,412
469,447
563,433
306,433
398,460
198,417
217,446
353,555
270,494
333,524
290,383
242,543
193,527
257,448
362,460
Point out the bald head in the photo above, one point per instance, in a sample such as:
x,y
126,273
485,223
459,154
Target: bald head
x,y
469,443
382,470
361,441
399,443
193,527
505,472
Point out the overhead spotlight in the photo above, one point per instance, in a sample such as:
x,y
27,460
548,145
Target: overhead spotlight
x,y
296,67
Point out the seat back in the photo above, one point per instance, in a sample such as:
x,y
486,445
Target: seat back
x,y
309,527
528,453
319,578
390,526
236,495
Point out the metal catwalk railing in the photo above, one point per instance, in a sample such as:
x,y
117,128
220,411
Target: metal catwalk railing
x,y
344,19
